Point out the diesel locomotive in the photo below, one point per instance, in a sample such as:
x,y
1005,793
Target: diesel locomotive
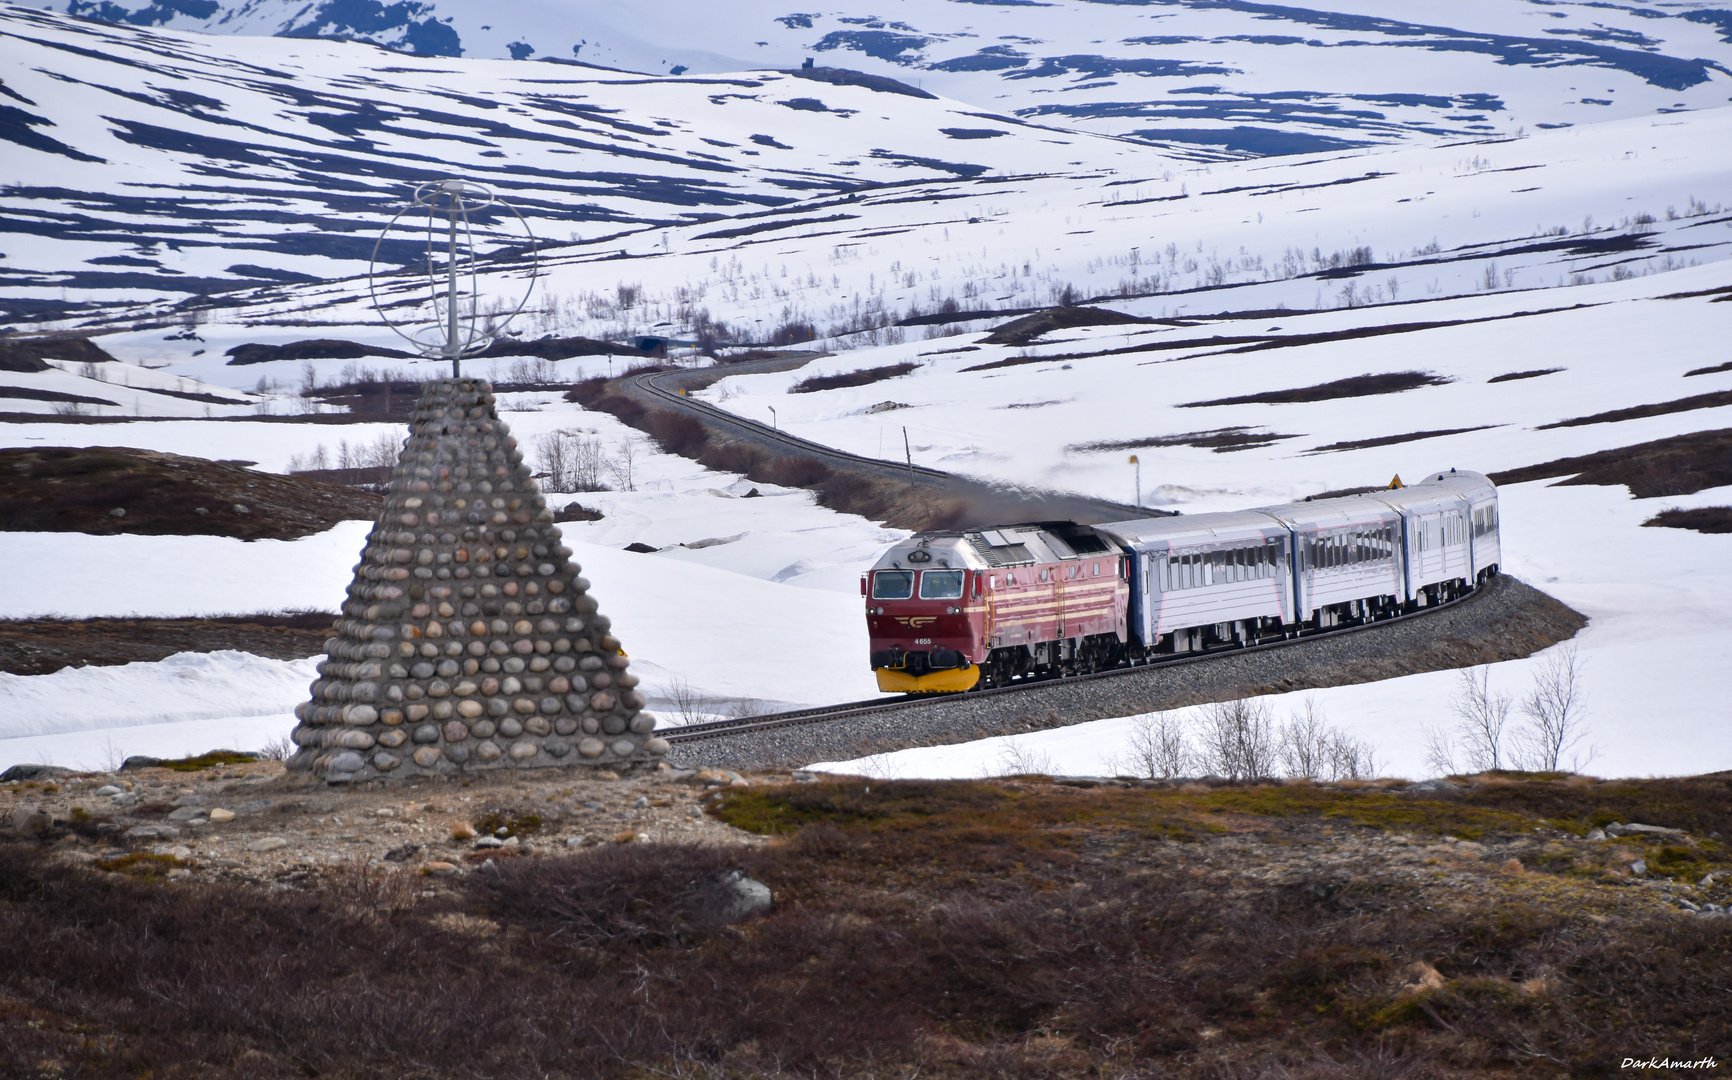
x,y
959,610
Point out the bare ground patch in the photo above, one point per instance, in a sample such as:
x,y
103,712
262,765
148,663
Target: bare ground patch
x,y
43,646
67,489
1393,382
1703,519
1030,327
1221,440
863,377
1638,412
1513,376
1393,440
1677,465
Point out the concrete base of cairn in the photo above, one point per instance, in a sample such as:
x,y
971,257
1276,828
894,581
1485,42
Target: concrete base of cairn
x,y
468,641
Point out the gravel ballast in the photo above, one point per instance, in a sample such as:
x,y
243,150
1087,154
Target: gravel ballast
x,y
1506,620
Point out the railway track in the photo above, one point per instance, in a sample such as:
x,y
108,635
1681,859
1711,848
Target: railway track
x,y
722,729
663,390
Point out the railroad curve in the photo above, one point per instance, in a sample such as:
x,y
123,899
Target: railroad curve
x,y
992,503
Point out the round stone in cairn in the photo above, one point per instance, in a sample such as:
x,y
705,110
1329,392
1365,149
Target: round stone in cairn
x,y
468,641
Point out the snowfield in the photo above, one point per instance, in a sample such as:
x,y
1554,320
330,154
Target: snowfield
x,y
1599,249
1200,76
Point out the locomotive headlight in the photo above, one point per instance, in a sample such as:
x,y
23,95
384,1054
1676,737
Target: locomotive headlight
x,y
953,611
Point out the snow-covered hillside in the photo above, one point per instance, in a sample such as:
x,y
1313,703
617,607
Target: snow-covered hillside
x,y
1205,76
1590,261
144,164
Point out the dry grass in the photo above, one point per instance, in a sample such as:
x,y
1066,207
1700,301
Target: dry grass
x,y
996,929
1703,519
1393,382
1676,465
1638,412
863,377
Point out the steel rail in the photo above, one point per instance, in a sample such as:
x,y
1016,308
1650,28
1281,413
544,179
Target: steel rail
x,y
721,729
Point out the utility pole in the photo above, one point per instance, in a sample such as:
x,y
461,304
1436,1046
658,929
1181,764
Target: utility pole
x,y
453,207
908,454
1139,465
774,424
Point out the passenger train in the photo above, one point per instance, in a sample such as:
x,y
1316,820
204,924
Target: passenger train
x,y
959,610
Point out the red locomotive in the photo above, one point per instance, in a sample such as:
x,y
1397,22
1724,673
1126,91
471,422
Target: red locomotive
x,y
951,611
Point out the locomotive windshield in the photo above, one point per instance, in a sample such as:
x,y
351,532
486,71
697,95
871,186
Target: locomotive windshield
x,y
941,585
892,585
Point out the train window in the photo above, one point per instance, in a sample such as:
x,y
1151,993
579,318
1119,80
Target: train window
x,y
1097,570
1043,575
977,586
892,585
941,585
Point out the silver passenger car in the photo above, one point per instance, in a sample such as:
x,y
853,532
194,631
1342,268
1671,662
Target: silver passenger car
x,y
1240,577
1207,577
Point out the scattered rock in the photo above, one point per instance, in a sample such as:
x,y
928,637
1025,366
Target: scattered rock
x,y
1615,829
403,854
1422,978
30,821
152,832
1639,867
107,790
439,869
489,842
717,778
188,813
640,803
219,816
1433,785
33,772
139,761
1595,834
748,897
267,843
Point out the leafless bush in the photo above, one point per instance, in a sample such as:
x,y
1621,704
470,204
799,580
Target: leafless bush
x,y
365,891
1238,739
278,749
623,467
1483,716
1159,747
1555,710
570,461
1313,749
1018,759
687,702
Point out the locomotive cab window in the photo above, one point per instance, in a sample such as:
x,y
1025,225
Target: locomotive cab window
x,y
941,585
892,585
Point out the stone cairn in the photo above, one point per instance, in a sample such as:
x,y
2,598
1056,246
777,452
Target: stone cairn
x,y
468,640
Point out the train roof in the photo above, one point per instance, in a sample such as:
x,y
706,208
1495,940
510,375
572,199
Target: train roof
x,y
1227,525
1006,545
1334,513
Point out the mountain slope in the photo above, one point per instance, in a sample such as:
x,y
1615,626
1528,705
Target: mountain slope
x,y
1233,77
144,162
